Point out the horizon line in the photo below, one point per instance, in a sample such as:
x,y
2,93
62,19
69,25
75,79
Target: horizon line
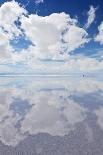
x,y
37,75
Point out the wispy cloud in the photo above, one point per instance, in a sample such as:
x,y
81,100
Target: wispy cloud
x,y
91,16
99,37
39,1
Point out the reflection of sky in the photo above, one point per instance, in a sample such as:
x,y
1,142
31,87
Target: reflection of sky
x,y
29,106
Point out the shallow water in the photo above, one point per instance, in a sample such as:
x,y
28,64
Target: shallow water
x,y
51,116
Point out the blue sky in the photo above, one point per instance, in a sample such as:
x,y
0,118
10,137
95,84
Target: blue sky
x,y
69,34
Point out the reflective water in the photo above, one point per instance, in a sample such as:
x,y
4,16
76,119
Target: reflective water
x,y
51,116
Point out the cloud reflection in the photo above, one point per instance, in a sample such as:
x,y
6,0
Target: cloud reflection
x,y
32,106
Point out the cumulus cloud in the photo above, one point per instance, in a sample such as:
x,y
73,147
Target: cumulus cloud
x,y
50,35
91,16
9,14
5,48
53,37
99,37
75,37
53,34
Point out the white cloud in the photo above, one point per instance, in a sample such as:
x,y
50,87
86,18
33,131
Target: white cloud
x,y
9,13
5,48
39,1
91,16
42,33
75,37
46,33
49,34
53,36
99,37
68,65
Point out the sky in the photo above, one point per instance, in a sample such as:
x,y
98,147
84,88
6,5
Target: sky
x,y
51,37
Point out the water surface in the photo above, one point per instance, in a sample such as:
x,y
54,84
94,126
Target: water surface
x,y
51,116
